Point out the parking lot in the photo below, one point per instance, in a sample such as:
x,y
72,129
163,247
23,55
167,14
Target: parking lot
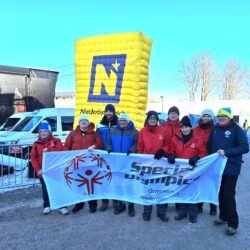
x,y
24,227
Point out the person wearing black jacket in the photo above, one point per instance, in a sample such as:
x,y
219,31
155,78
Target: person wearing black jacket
x,y
228,139
108,121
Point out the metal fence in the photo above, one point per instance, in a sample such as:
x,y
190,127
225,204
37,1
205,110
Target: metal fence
x,y
15,167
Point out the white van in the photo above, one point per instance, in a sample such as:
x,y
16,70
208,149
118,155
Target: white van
x,y
25,133
13,121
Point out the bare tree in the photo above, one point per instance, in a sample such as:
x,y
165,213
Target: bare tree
x,y
207,68
191,75
233,80
197,74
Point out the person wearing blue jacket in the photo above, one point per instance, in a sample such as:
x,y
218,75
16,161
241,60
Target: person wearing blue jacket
x,y
109,120
123,139
228,139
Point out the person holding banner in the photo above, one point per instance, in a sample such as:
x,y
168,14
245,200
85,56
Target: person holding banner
x,y
153,139
45,143
108,121
229,140
84,137
123,139
172,127
186,146
203,131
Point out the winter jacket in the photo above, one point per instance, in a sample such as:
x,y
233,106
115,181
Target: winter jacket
x,y
77,140
103,128
123,140
194,147
172,129
202,132
232,139
150,140
36,155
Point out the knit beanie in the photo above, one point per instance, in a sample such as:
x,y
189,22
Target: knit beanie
x,y
226,112
152,114
174,109
163,116
44,126
124,117
83,117
185,121
208,112
110,107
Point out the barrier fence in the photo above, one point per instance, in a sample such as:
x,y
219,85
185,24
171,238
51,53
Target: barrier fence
x,y
15,167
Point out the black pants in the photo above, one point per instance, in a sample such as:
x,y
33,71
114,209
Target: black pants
x,y
227,204
161,209
46,202
212,206
188,209
92,204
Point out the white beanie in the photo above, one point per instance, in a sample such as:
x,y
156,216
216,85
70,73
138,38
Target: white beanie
x,y
208,112
83,117
124,116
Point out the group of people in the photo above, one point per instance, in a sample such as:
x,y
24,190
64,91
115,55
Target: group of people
x,y
172,139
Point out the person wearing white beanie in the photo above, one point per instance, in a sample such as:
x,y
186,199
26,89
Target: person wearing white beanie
x,y
84,137
83,117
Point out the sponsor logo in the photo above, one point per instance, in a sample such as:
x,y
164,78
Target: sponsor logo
x,y
106,78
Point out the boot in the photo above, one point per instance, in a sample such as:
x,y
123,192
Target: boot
x,y
115,203
131,210
213,209
104,206
78,207
200,207
146,216
120,208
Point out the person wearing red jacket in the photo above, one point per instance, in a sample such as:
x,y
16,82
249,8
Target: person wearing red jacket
x,y
84,137
172,125
45,143
203,131
153,139
186,146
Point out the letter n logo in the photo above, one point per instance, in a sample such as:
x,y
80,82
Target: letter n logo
x,y
106,78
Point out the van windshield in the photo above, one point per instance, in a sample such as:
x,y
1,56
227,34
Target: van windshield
x,y
28,123
9,124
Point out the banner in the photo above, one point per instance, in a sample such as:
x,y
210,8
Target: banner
x,y
79,175
112,69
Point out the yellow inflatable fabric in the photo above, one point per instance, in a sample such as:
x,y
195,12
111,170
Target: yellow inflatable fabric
x,y
112,69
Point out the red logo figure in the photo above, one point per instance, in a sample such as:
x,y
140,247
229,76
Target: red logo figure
x,y
76,171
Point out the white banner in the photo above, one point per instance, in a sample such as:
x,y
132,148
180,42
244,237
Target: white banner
x,y
79,175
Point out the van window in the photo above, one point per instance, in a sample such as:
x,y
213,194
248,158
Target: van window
x,y
67,123
9,124
52,122
28,123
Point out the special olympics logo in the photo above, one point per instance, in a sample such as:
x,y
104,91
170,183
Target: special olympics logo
x,y
78,172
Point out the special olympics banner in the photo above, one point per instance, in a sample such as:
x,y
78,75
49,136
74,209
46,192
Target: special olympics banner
x,y
80,175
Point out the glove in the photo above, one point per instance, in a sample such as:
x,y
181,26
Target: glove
x,y
159,153
129,152
109,151
171,159
193,160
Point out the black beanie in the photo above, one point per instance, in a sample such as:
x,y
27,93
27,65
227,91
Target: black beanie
x,y
152,114
185,122
110,107
174,109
